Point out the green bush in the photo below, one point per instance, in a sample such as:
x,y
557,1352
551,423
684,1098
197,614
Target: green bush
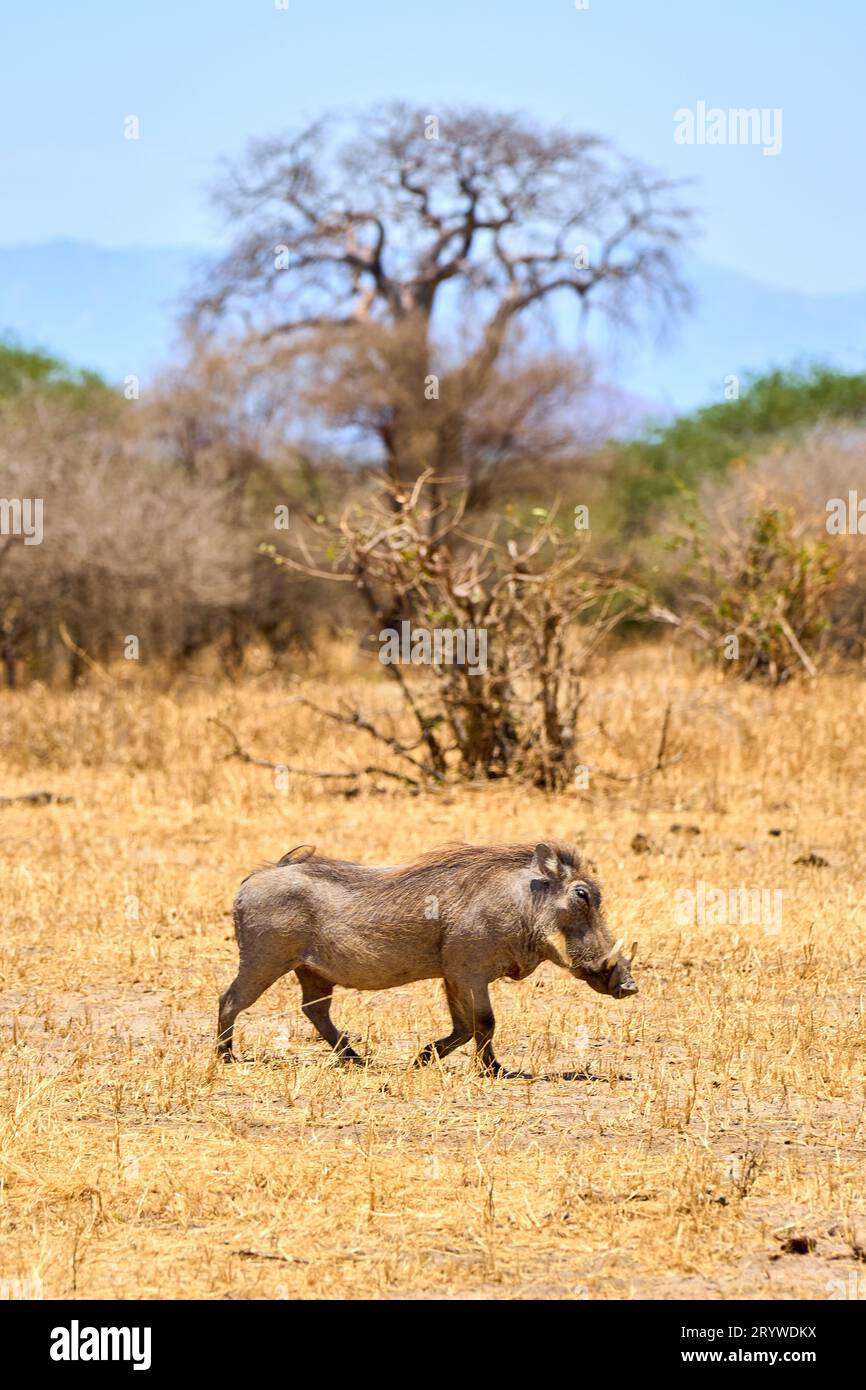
x,y
28,369
671,461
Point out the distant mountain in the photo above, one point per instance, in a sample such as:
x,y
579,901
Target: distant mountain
x,y
738,325
116,311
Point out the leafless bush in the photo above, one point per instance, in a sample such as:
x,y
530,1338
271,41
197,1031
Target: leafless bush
x,y
130,549
522,603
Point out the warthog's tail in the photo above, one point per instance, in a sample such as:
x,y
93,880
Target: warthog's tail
x,y
299,855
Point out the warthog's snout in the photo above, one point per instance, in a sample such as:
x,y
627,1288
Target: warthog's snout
x,y
624,988
612,976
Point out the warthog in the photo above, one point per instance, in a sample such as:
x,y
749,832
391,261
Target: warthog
x,y
466,914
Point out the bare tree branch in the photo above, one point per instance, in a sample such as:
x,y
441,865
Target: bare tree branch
x,y
374,223
242,754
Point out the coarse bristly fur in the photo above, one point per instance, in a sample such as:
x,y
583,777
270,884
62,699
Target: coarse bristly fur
x,y
466,914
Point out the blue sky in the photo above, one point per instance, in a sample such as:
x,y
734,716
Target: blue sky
x,y
204,75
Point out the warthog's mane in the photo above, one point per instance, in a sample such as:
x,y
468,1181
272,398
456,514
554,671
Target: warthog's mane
x,y
448,861
481,859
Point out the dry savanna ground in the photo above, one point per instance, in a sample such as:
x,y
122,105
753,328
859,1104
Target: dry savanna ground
x,y
704,1140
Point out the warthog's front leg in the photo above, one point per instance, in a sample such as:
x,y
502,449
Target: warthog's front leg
x,y
483,1025
317,994
472,1016
461,1015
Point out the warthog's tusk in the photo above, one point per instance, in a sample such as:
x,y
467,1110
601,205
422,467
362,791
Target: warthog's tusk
x,y
614,954
633,951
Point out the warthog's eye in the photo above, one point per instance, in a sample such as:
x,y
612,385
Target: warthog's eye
x,y
582,892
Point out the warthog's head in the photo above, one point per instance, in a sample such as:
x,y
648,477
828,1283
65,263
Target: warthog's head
x,y
571,921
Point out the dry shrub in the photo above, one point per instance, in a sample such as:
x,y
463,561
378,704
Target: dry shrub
x,y
135,545
129,548
488,637
764,570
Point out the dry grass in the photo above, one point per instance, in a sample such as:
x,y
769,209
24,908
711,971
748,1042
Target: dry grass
x,y
710,1119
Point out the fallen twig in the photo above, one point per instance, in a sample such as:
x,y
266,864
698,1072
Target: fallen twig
x,y
243,755
356,720
36,799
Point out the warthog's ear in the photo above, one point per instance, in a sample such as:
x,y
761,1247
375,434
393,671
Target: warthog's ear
x,y
548,863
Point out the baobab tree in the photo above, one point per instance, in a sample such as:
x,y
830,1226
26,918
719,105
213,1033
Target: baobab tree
x,y
391,262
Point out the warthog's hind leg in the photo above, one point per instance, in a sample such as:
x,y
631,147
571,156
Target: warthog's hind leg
x,y
460,1007
317,994
250,982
